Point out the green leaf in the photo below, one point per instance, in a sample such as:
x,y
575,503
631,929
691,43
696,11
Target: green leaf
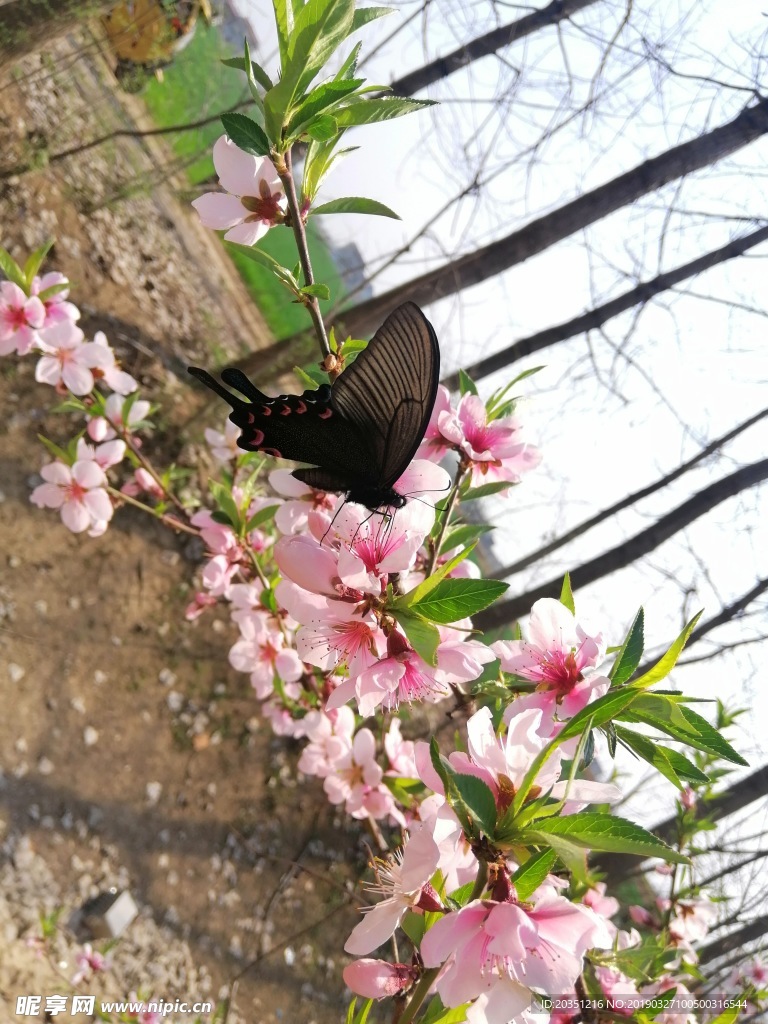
x,y
348,68
284,21
364,15
462,535
447,774
320,27
35,261
466,385
375,110
566,594
530,875
308,381
12,270
484,490
329,94
355,204
320,291
54,450
497,406
265,260
322,128
414,927
262,516
54,289
246,134
454,599
670,763
257,71
226,503
573,856
603,710
478,801
423,636
728,1016
665,664
594,830
662,712
631,652
431,582
437,1013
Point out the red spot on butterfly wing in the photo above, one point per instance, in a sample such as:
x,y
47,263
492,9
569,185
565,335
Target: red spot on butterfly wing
x,y
286,410
300,408
324,414
257,439
266,411
272,451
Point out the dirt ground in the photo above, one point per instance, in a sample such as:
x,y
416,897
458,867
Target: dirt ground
x,y
131,753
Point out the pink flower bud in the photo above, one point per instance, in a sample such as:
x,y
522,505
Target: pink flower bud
x,y
378,979
641,916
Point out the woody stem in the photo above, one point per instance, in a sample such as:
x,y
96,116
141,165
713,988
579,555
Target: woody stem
x,y
285,172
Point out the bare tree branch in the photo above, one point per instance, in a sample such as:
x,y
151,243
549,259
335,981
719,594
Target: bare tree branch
x,y
630,550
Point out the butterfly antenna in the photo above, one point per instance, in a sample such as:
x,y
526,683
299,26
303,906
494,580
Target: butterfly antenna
x,y
210,382
237,380
330,525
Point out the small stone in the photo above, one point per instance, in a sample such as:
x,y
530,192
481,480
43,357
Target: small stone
x,y
45,766
289,956
41,607
14,561
167,677
16,672
21,745
116,641
77,704
74,602
175,701
201,741
153,792
99,677
90,736
109,914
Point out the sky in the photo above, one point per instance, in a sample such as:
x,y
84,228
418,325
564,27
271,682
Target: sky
x,y
610,413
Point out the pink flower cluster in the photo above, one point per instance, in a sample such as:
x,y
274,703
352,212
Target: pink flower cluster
x,y
494,450
46,322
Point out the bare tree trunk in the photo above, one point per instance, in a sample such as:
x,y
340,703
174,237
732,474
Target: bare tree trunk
x,y
734,940
629,551
483,46
750,124
631,499
596,317
26,26
618,866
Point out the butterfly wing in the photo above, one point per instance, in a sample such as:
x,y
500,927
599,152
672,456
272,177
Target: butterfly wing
x,y
389,391
304,428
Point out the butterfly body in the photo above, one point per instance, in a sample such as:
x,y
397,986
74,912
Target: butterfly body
x,y
358,434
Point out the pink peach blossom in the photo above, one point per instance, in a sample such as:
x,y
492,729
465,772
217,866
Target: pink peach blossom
x,y
121,412
403,881
68,361
253,201
495,449
56,306
20,319
78,491
109,371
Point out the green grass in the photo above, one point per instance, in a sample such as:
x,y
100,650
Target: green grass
x,y
195,86
283,315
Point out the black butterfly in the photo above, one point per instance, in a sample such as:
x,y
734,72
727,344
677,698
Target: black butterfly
x,y
359,433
